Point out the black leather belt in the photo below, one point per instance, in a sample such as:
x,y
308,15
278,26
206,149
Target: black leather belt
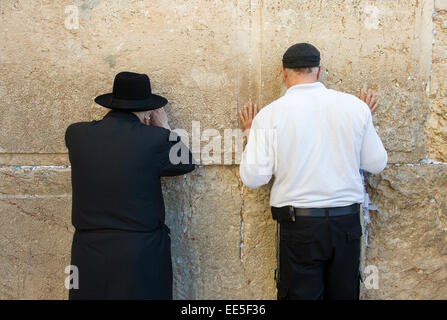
x,y
330,212
289,213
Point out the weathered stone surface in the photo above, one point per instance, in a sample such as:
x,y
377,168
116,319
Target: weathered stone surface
x,y
437,122
408,233
223,236
441,5
382,44
36,232
35,180
34,159
196,55
205,65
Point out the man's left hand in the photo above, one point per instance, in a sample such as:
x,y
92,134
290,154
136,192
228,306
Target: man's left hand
x,y
369,98
247,115
159,118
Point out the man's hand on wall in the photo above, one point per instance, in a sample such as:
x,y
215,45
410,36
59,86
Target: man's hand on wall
x,y
247,115
370,99
159,118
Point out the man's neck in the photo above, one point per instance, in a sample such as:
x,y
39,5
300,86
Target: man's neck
x,y
299,81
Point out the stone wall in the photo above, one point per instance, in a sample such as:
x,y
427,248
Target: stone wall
x,y
208,58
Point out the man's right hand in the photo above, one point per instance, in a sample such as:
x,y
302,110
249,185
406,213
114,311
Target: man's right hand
x,y
369,99
159,118
247,116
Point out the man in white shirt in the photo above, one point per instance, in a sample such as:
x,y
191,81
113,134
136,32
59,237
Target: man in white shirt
x,y
314,141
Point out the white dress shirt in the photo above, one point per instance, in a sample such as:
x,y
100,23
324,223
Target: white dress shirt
x,y
314,141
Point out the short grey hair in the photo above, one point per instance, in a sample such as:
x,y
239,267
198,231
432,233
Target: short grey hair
x,y
306,70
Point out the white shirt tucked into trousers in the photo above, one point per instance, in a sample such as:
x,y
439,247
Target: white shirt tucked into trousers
x,y
314,141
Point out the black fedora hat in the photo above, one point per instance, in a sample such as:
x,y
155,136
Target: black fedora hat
x,y
131,92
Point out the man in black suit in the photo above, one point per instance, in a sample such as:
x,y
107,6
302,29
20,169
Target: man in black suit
x,y
121,245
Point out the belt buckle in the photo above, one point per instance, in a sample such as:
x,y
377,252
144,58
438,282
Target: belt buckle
x,y
292,213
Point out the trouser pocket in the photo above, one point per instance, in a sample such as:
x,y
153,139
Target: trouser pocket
x,y
295,248
354,235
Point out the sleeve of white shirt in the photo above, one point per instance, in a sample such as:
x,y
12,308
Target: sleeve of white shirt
x,y
257,163
373,156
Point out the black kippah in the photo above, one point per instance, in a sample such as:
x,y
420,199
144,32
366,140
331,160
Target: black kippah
x,y
301,55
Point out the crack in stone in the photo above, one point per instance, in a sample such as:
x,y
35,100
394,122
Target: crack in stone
x,y
21,210
242,219
242,243
39,217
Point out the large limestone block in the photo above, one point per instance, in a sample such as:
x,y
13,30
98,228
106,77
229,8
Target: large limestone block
x,y
196,52
437,120
35,237
408,233
222,236
381,44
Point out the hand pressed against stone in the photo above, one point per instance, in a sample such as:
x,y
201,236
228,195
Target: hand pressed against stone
x,y
369,99
159,118
247,115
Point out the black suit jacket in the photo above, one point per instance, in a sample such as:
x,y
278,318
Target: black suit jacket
x,y
119,247
116,167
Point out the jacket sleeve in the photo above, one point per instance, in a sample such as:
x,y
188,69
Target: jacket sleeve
x,y
176,156
373,156
68,136
258,159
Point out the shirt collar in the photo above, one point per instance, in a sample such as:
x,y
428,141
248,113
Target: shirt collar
x,y
127,115
306,86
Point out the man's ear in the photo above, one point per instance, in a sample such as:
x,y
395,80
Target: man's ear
x,y
284,73
318,74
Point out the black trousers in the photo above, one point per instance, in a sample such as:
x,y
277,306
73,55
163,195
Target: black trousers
x,y
319,258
